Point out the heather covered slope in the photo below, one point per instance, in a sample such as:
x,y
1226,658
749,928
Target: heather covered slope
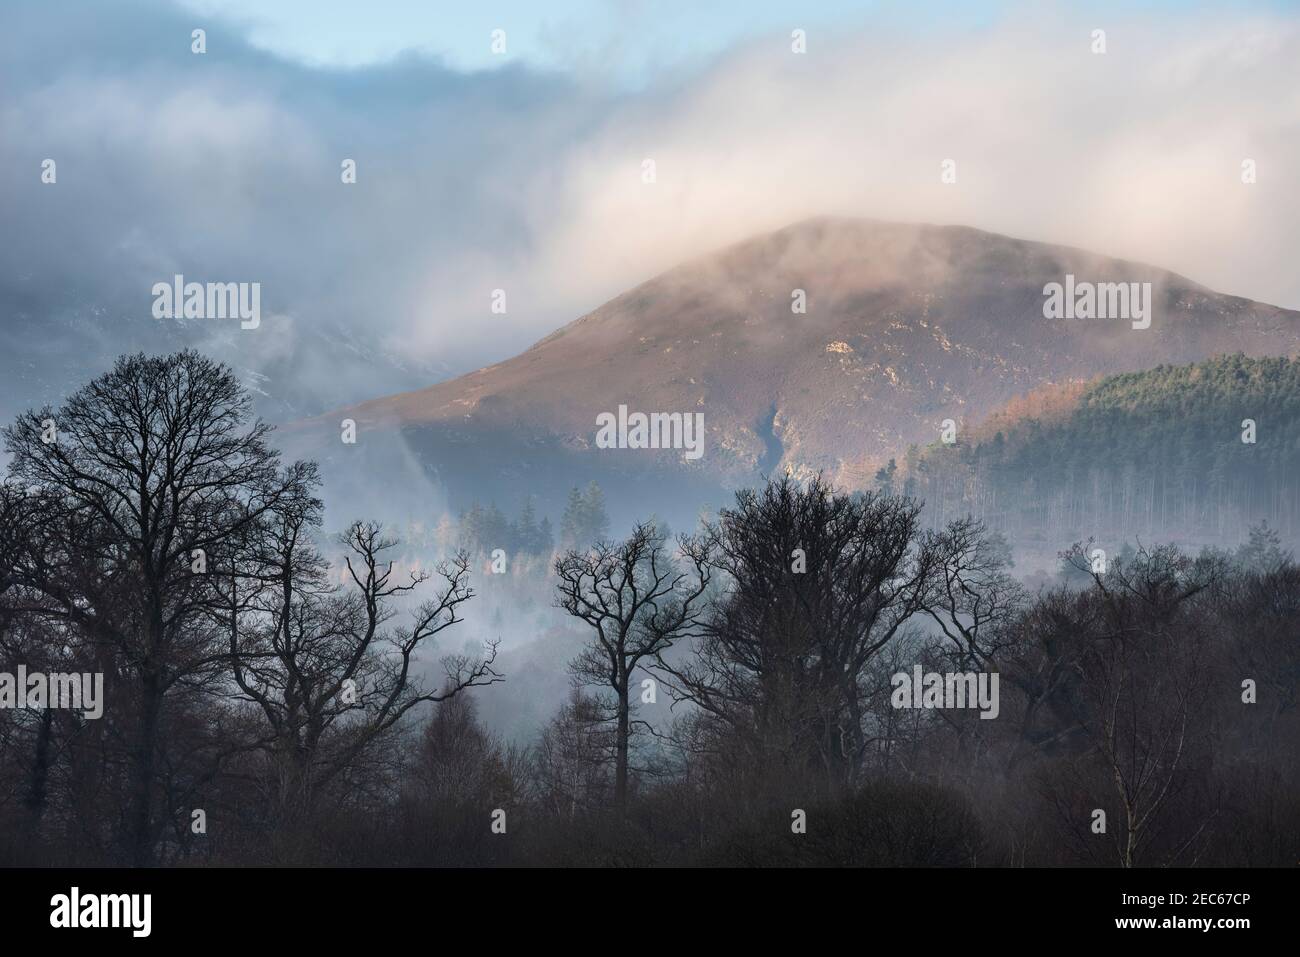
x,y
906,325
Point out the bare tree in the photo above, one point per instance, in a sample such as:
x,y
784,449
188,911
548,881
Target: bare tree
x,y
638,601
973,601
816,584
571,759
320,661
971,597
1137,698
150,466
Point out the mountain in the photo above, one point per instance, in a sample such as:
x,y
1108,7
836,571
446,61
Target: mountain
x,y
906,326
1200,452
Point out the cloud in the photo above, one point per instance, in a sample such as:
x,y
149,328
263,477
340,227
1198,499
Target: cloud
x,y
1135,153
225,166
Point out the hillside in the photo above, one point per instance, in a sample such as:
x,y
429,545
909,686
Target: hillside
x,y
1156,454
906,325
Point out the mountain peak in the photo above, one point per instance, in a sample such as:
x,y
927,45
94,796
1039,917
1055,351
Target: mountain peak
x,y
831,344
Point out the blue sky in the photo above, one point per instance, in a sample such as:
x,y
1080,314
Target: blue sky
x,y
626,38
629,40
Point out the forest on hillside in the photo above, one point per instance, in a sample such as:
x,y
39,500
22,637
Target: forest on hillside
x,y
271,696
1175,453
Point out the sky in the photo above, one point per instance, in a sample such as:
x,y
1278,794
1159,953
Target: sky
x,y
627,42
523,171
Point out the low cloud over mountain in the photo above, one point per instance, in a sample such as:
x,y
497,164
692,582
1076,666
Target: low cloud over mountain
x,y
905,326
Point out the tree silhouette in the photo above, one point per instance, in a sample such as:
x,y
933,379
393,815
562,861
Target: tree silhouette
x,y
638,601
151,472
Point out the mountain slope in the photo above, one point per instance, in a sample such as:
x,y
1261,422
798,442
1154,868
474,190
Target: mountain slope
x,y
1200,451
906,325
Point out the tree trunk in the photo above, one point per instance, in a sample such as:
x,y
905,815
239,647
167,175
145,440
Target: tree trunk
x,y
620,762
140,822
35,801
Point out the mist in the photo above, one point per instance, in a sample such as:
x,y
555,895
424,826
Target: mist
x,y
226,166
